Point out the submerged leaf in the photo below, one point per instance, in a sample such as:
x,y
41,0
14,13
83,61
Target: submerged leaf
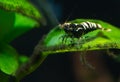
x,y
16,18
8,59
93,40
23,59
21,25
13,25
21,6
6,23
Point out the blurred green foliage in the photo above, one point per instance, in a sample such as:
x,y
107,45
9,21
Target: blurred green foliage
x,y
16,18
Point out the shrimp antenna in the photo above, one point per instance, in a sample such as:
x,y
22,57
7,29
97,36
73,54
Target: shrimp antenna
x,y
71,13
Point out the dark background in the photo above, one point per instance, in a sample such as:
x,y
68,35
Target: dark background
x,y
58,68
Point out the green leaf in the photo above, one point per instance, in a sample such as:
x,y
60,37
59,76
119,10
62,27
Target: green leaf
x,y
13,25
21,25
21,6
23,59
16,18
8,59
94,40
6,22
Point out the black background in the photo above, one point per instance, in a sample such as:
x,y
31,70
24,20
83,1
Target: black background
x,y
58,68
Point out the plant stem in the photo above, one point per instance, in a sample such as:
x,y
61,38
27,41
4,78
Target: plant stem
x,y
37,56
34,62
